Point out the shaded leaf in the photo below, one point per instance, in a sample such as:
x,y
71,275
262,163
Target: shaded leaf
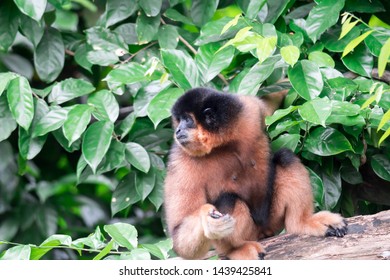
x,y
49,55
53,120
9,22
118,10
147,28
202,11
125,194
381,166
8,123
360,61
151,7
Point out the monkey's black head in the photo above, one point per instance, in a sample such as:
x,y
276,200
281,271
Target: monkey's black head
x,y
211,109
201,115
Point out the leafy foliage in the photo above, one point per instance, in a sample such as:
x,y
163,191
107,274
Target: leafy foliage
x,y
86,89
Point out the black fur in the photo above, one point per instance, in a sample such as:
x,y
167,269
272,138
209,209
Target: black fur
x,y
212,109
261,211
284,157
225,202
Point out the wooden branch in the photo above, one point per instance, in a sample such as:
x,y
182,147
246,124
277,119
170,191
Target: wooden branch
x,y
368,238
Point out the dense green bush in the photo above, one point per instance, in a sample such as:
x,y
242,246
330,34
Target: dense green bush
x,y
86,89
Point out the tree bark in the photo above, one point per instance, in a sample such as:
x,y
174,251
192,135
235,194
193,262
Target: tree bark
x,y
368,238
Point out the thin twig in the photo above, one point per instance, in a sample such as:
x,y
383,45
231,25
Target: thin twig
x,y
137,52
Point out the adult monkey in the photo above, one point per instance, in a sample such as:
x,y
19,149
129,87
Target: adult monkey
x,y
224,187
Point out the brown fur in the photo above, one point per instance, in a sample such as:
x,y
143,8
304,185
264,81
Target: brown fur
x,y
236,160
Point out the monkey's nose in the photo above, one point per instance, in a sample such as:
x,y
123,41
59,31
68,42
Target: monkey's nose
x,y
180,134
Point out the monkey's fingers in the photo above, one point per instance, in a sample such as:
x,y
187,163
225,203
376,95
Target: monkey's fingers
x,y
215,214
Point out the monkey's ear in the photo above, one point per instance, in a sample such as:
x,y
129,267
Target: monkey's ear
x,y
209,117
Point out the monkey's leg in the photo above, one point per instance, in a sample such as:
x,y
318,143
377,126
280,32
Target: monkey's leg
x,y
192,237
293,204
241,243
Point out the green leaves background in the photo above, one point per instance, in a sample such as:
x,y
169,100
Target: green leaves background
x,y
86,89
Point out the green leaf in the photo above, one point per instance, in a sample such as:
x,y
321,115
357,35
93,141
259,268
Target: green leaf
x,y
102,57
385,119
252,81
376,40
290,54
128,32
8,124
81,57
20,101
176,16
96,142
317,187
306,79
30,146
32,8
327,142
278,114
118,10
125,125
124,235
211,31
323,16
384,136
160,249
9,21
76,122
128,73
383,58
381,166
147,28
144,183
316,111
332,42
168,37
202,11
265,48
105,251
322,59
19,252
352,45
275,9
157,195
53,120
125,194
182,67
106,108
31,29
137,156
5,78
104,39
289,141
49,55
360,61
251,7
160,106
115,157
68,89
49,244
151,7
211,62
347,26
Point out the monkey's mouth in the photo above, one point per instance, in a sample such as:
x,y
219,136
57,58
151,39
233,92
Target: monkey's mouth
x,y
183,141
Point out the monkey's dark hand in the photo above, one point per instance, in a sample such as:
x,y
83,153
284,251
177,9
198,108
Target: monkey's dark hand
x,y
218,225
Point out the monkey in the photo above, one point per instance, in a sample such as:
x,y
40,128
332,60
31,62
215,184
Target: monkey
x,y
225,188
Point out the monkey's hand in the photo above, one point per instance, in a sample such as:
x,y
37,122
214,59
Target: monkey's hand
x,y
215,224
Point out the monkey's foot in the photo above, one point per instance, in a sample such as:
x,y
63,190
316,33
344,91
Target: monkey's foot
x,y
337,230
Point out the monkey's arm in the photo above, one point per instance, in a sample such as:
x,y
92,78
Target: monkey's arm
x,y
192,223
271,102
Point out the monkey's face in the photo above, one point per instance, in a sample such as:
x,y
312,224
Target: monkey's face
x,y
203,119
